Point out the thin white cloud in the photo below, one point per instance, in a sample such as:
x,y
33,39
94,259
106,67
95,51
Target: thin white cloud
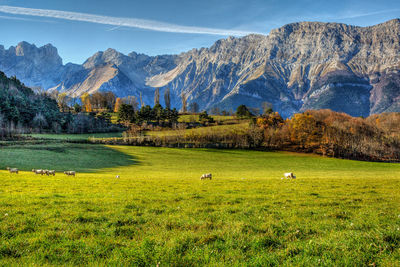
x,y
119,22
24,19
359,15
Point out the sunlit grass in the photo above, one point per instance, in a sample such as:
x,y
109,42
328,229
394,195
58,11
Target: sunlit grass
x,y
195,118
338,212
217,129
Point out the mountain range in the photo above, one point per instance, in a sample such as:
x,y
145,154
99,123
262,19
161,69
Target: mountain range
x,y
300,66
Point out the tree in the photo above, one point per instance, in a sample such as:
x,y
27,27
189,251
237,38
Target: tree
x,y
109,98
105,116
62,100
243,112
215,111
172,115
204,118
40,122
184,102
158,113
126,113
167,98
266,108
141,100
77,108
97,100
131,100
157,97
270,120
118,104
145,114
194,107
87,106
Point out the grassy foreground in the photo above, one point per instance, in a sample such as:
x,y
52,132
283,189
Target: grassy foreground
x,y
337,212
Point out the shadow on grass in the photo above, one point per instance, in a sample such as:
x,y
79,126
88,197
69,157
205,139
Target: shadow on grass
x,y
63,156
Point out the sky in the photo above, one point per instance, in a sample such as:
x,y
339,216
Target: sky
x,y
80,28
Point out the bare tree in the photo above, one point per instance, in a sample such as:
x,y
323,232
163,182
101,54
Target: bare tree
x,y
157,97
266,107
194,107
184,102
40,122
167,98
131,100
109,99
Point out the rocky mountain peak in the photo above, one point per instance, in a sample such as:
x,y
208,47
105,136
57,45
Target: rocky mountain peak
x,y
303,65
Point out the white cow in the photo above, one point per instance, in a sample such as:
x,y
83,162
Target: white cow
x,y
289,175
206,176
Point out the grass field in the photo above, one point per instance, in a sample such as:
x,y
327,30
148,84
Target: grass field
x,y
338,212
195,118
217,129
76,137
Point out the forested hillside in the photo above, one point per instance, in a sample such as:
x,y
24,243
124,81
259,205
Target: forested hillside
x,y
22,109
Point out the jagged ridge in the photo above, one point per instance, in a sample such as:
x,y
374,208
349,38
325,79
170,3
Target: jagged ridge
x,y
305,65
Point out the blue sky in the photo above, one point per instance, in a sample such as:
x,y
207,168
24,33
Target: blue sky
x,y
158,27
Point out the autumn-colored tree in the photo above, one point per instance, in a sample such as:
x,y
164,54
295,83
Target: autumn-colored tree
x,y
270,120
117,105
87,106
62,101
305,129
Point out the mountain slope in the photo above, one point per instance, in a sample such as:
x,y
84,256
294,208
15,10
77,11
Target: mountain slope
x,y
306,65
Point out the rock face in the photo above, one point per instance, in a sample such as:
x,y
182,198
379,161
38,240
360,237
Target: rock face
x,y
34,66
307,65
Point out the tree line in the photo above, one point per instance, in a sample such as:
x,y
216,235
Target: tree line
x,y
334,134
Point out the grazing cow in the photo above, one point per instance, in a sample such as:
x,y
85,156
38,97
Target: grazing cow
x,y
70,173
51,172
289,175
12,170
206,176
117,176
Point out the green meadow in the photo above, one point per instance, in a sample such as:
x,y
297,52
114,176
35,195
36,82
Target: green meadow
x,y
336,213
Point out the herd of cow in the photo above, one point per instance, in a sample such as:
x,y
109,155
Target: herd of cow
x,y
42,172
